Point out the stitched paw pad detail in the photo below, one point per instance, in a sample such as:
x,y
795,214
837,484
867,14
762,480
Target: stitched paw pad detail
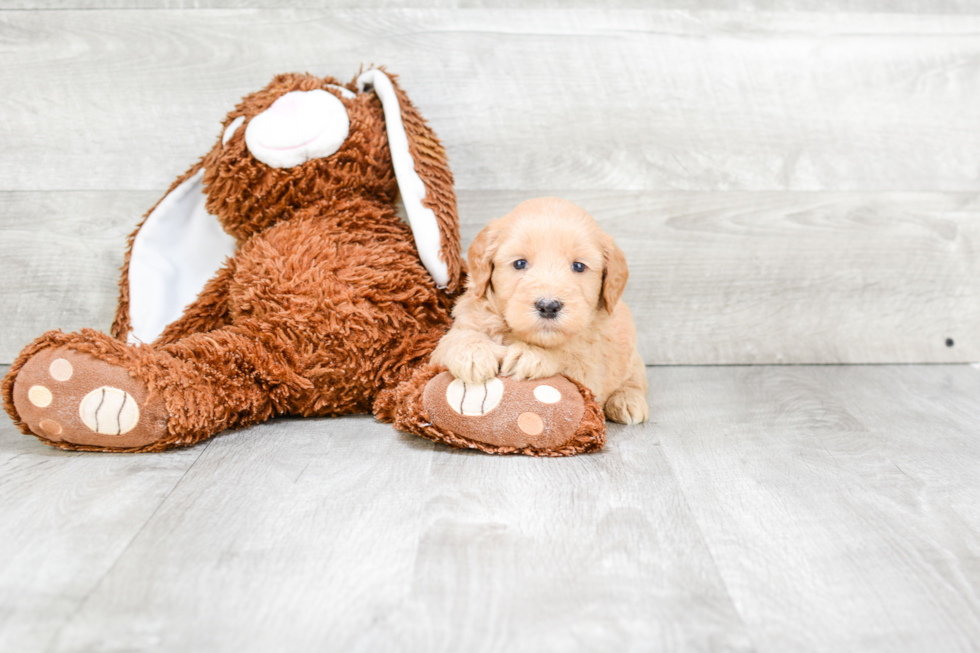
x,y
474,399
541,414
109,411
65,396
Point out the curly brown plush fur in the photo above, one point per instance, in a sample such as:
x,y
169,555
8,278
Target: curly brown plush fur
x,y
324,309
324,305
404,407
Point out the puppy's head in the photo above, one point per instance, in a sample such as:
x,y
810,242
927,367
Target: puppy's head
x,y
547,269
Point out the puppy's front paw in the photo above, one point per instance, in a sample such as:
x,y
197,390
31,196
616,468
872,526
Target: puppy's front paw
x,y
627,407
525,361
474,364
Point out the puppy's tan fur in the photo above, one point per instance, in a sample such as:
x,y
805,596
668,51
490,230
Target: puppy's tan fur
x,y
498,330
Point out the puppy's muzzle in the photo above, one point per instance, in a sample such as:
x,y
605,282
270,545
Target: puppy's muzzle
x,y
548,308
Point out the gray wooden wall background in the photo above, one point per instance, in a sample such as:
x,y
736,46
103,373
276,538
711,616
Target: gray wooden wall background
x,y
792,181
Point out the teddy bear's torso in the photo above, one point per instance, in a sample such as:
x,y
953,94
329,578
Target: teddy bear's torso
x,y
338,291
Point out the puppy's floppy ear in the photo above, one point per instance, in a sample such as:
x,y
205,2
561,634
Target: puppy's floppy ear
x,y
424,180
480,258
614,274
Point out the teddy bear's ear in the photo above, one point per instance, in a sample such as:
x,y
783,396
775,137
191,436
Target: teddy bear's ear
x,y
177,248
424,180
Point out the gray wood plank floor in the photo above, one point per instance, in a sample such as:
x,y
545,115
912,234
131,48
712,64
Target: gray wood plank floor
x,y
821,6
763,508
524,99
791,186
699,289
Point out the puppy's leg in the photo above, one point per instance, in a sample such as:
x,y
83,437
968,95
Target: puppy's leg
x,y
524,361
628,404
470,356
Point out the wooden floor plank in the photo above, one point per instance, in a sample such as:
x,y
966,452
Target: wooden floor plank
x,y
61,254
343,535
831,529
66,520
595,553
292,532
747,267
789,277
528,99
799,508
957,7
738,277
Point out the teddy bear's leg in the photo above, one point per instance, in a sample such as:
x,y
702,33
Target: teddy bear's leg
x,y
87,390
235,376
545,417
90,391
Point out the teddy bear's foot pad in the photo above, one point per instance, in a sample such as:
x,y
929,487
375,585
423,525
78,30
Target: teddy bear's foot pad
x,y
540,417
65,396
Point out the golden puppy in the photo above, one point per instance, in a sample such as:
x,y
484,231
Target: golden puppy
x,y
542,299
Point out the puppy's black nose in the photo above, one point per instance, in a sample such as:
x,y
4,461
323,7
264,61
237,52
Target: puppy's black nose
x,y
548,308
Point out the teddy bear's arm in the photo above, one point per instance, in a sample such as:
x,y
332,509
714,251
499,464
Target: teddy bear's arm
x,y
208,312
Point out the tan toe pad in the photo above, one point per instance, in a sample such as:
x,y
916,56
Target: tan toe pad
x,y
543,414
68,396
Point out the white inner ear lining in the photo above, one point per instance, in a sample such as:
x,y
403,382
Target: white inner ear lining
x,y
425,227
343,91
177,250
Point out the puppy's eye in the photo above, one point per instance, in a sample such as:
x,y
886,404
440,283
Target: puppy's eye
x,y
520,264
578,267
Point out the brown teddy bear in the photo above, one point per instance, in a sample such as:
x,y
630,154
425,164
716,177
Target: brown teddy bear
x,y
276,278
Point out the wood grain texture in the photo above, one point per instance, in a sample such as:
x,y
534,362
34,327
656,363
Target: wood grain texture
x,y
341,535
839,503
736,278
595,553
304,531
767,508
61,254
67,518
714,278
758,167
825,6
531,99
